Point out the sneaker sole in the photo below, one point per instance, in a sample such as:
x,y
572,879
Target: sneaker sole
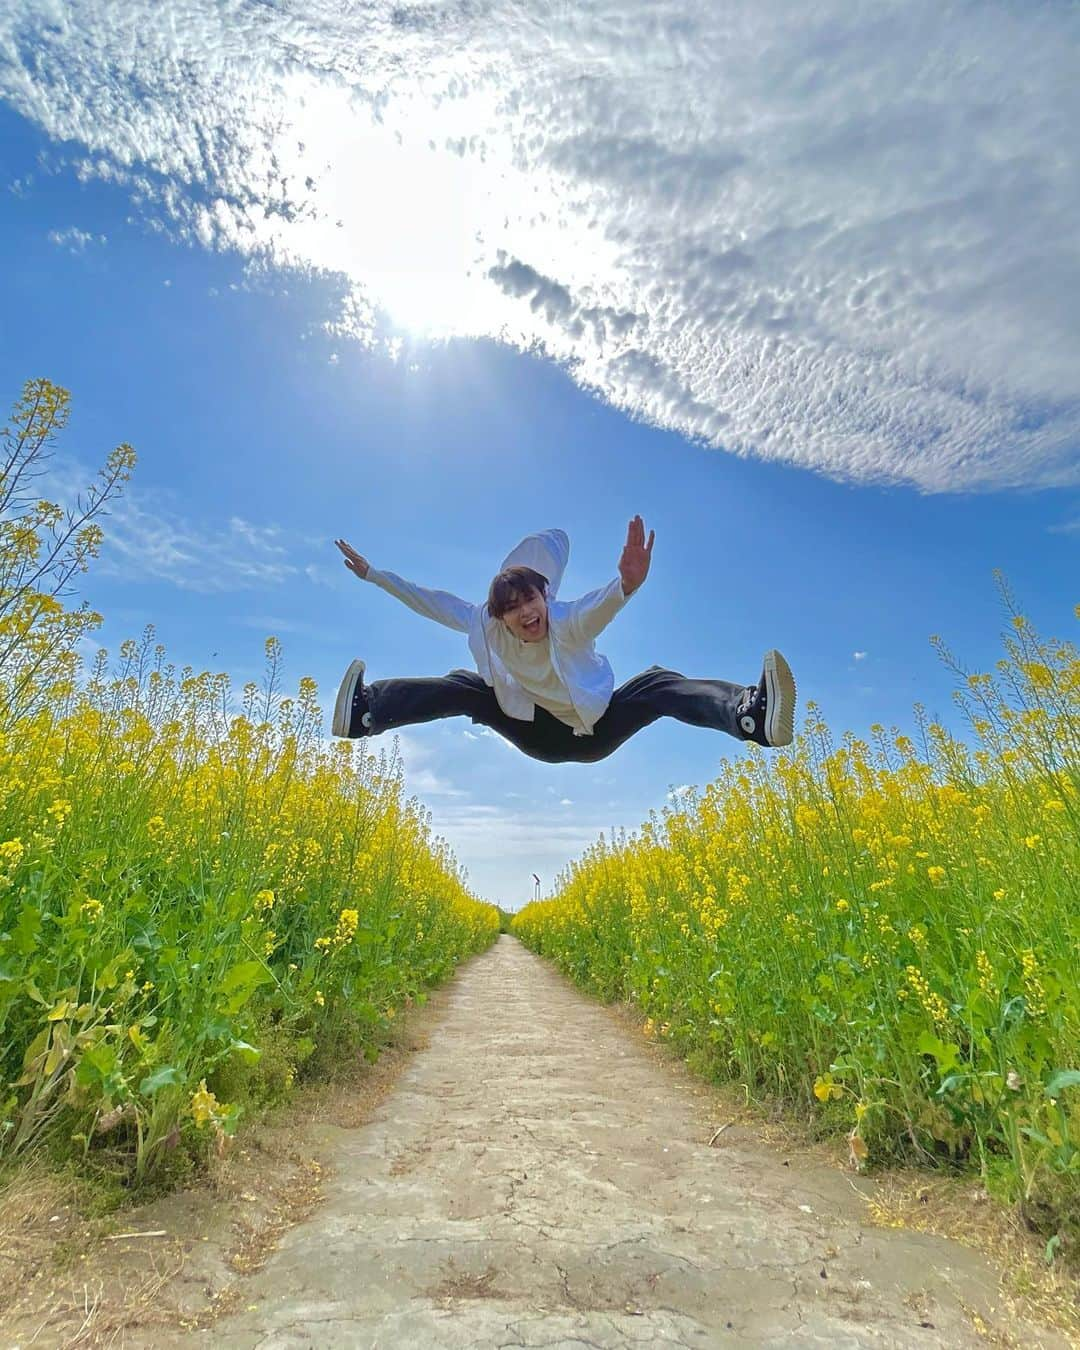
x,y
343,706
780,710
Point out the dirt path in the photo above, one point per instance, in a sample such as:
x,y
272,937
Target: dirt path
x,y
539,1178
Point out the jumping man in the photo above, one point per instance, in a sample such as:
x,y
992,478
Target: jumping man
x,y
539,680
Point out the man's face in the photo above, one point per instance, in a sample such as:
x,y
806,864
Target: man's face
x,y
527,619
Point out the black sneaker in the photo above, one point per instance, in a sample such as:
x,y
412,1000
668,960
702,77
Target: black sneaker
x,y
351,715
767,713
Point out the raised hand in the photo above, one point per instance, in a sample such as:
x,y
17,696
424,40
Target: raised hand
x,y
356,563
636,556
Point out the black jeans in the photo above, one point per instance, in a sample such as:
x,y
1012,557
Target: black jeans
x,y
653,694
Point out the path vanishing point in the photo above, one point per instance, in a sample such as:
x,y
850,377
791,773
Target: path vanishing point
x,y
540,1176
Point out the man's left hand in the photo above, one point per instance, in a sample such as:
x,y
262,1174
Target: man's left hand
x,y
636,556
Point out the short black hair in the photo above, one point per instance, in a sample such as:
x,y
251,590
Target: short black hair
x,y
513,586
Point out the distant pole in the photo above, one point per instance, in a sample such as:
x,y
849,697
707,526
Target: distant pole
x,y
536,888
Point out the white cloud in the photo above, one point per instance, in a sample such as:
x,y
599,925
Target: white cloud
x,y
74,239
838,235
477,733
502,847
142,541
677,794
147,536
421,777
320,575
275,625
502,841
859,656
88,648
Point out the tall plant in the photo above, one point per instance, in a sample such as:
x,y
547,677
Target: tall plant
x,y
44,546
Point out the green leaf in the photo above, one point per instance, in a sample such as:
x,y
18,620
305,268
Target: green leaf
x,y
37,1047
250,1054
240,983
166,1076
1013,1012
946,1055
96,1064
1037,1135
24,936
229,1119
1064,1078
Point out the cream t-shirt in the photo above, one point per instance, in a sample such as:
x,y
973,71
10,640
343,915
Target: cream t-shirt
x,y
530,664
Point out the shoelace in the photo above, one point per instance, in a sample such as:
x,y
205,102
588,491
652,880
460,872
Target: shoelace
x,y
748,722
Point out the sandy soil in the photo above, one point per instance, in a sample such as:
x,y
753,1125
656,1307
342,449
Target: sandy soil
x,y
540,1177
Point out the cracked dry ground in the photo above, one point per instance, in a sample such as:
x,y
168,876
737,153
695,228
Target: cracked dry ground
x,y
541,1177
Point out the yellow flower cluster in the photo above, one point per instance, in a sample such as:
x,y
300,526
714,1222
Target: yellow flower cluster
x,y
953,868
203,1107
986,981
934,1004
347,922
11,855
1034,992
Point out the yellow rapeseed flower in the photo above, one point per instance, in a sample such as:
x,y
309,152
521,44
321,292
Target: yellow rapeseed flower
x,y
347,923
203,1105
11,852
934,1004
1034,992
986,974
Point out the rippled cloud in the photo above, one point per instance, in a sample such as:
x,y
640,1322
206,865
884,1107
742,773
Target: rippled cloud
x,y
841,235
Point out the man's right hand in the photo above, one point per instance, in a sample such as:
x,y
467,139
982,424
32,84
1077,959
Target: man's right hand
x,y
355,562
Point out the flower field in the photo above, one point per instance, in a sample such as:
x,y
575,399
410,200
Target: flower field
x,y
199,897
882,934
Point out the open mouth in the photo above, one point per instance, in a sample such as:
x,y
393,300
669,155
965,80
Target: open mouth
x,y
532,625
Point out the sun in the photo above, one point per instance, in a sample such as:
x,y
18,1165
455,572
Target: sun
x,y
404,217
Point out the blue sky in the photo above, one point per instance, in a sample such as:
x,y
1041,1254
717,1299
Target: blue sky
x,y
286,383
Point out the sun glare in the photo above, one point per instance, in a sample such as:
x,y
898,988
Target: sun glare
x,y
402,216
